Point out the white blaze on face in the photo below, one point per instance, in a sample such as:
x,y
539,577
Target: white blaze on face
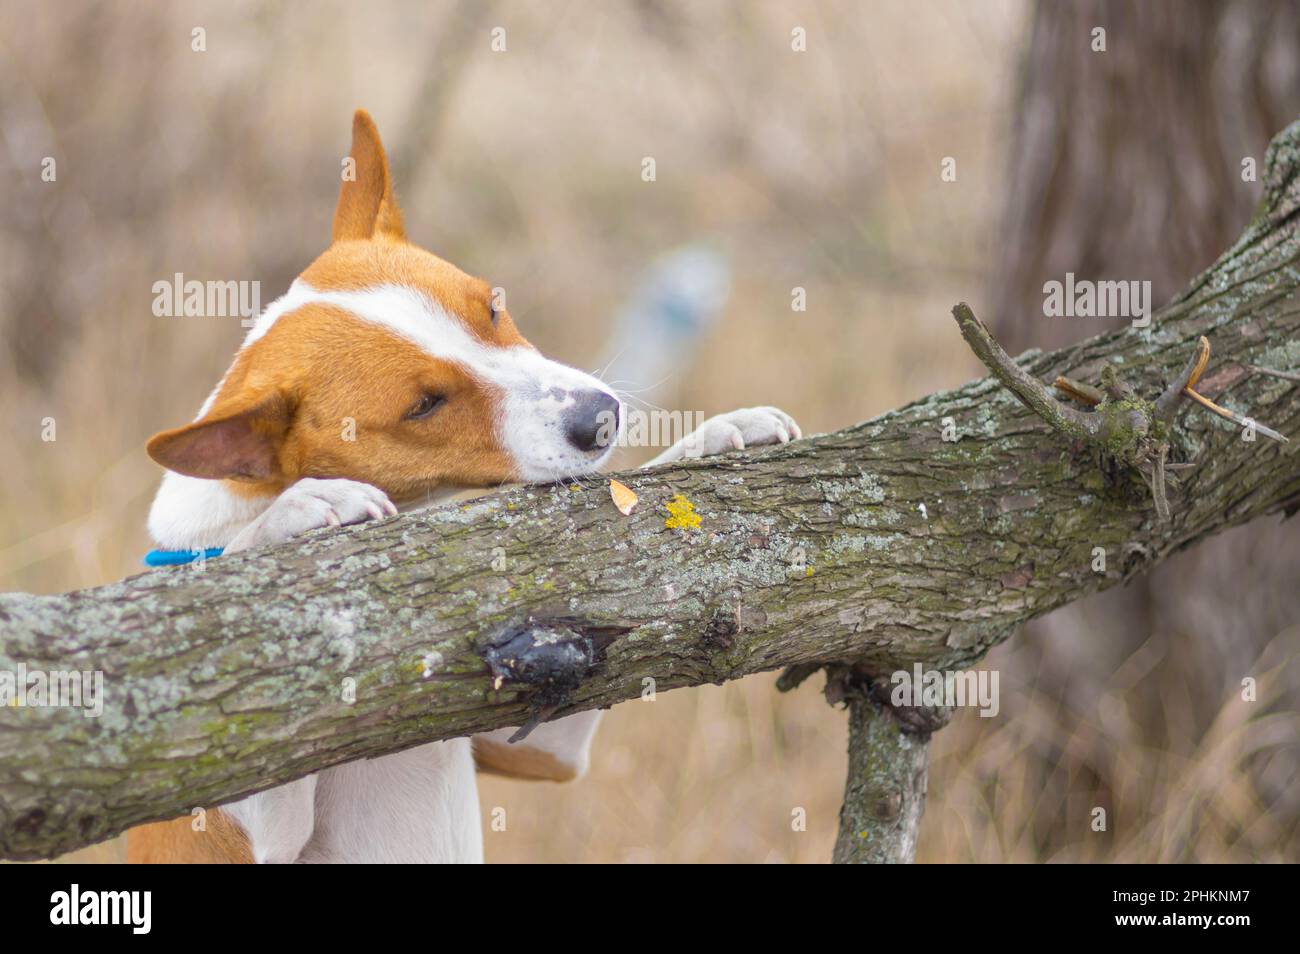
x,y
537,392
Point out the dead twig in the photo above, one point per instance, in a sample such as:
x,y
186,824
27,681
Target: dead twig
x,y
1083,393
1122,425
1284,375
1184,386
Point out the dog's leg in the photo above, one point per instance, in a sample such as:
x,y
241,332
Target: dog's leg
x,y
735,430
554,751
418,806
279,822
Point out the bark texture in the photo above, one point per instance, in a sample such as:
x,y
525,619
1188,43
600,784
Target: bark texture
x,y
883,544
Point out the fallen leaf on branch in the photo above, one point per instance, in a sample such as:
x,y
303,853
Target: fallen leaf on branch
x,y
623,496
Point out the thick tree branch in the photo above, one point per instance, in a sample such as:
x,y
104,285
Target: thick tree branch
x,y
883,544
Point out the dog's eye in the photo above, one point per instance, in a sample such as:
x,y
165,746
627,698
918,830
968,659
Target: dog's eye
x,y
425,406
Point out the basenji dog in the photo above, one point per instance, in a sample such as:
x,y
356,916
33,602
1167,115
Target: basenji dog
x,y
444,394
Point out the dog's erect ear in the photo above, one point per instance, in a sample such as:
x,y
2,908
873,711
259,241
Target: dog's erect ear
x,y
240,442
366,206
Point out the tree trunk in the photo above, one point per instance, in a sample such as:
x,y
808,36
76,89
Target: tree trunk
x,y
883,544
1134,163
1127,163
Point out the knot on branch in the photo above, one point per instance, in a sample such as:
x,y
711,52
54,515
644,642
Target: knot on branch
x,y
548,659
722,629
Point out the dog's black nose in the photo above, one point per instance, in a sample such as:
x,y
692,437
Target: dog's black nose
x,y
592,422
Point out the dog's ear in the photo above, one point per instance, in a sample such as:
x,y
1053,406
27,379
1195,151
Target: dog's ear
x,y
240,441
366,206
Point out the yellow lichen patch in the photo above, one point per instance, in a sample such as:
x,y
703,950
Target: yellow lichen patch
x,y
623,496
682,515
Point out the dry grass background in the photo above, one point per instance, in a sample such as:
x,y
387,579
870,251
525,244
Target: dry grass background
x,y
818,169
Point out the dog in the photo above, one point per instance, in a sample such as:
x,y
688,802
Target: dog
x,y
442,393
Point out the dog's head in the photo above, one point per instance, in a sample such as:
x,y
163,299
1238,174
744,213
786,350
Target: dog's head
x,y
388,365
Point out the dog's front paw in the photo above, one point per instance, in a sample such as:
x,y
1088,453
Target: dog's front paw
x,y
736,430
311,504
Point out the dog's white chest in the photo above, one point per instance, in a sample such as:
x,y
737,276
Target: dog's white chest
x,y
419,806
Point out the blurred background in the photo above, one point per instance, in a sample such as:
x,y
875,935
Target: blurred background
x,y
775,169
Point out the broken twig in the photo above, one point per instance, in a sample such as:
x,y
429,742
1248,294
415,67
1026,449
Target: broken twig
x,y
1284,375
1122,425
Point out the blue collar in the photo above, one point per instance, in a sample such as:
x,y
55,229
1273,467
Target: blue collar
x,y
178,557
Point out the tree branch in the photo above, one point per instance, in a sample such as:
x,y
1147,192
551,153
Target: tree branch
x,y
884,791
882,544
